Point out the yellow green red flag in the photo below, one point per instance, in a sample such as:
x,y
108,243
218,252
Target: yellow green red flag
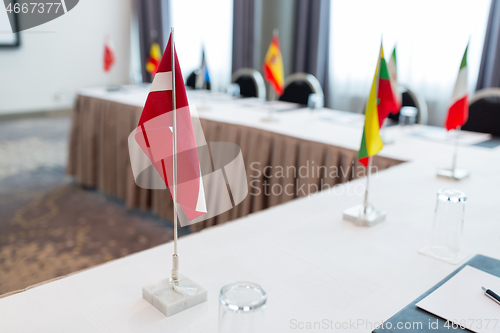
x,y
371,142
273,67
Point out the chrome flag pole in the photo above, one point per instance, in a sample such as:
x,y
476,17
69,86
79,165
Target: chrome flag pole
x,y
175,257
455,152
365,215
365,205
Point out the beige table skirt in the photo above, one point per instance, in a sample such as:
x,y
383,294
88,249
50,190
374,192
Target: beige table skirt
x,y
279,167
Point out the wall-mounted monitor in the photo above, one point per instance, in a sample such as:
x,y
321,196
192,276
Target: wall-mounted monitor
x,y
7,37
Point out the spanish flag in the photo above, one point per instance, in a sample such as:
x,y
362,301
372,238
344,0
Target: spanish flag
x,y
153,59
273,66
379,104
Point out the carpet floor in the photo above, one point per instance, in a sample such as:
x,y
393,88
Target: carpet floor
x,y
49,226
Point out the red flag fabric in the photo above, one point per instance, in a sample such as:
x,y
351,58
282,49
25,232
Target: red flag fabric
x,y
386,99
154,136
109,56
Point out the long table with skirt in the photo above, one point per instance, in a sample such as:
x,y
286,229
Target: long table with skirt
x,y
317,269
99,157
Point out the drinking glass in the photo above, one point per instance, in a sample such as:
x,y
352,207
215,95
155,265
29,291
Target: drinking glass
x,y
315,101
233,90
448,224
242,308
408,115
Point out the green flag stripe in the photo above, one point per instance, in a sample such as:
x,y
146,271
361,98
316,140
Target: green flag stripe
x,y
394,55
363,152
464,59
384,73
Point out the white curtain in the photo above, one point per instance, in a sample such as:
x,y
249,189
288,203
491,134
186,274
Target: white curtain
x,y
209,24
430,35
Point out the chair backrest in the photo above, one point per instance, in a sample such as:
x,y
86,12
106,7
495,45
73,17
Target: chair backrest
x,y
484,112
410,98
191,80
299,86
251,83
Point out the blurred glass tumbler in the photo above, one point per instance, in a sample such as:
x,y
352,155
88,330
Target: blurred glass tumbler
x,y
448,224
233,90
408,116
315,101
242,308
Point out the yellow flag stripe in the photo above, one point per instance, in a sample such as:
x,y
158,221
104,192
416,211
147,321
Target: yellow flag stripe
x,y
372,142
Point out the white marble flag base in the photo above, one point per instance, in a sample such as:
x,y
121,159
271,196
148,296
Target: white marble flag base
x,y
457,174
387,140
358,217
168,301
269,119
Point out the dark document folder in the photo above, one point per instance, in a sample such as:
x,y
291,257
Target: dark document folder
x,y
412,314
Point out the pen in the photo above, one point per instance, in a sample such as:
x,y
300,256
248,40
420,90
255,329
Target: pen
x,y
489,293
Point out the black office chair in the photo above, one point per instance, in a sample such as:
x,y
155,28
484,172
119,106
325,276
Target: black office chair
x,y
299,86
410,98
251,83
484,112
191,80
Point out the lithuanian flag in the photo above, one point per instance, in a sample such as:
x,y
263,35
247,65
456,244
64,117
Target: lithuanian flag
x,y
380,104
153,59
273,66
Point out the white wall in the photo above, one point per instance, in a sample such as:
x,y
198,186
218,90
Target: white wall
x,y
207,23
61,56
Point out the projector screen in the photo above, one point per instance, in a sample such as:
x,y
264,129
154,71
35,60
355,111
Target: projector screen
x,y
7,37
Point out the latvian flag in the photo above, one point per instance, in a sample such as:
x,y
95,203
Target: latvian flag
x,y
458,112
154,137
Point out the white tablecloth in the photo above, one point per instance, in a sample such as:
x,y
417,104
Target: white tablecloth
x,y
314,266
328,126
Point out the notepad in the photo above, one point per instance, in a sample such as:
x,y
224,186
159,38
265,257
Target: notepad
x,y
461,301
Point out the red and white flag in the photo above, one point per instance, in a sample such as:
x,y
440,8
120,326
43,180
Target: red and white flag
x,y
109,55
154,137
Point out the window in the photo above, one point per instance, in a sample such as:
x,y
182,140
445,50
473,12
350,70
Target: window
x,y
208,24
430,36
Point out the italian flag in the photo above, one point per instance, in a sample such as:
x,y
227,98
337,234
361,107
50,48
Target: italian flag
x,y
458,112
273,67
392,66
380,103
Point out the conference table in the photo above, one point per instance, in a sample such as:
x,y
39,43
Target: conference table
x,y
103,120
315,266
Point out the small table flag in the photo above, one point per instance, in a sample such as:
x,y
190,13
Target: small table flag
x,y
109,55
458,112
154,137
154,58
380,103
392,67
273,67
